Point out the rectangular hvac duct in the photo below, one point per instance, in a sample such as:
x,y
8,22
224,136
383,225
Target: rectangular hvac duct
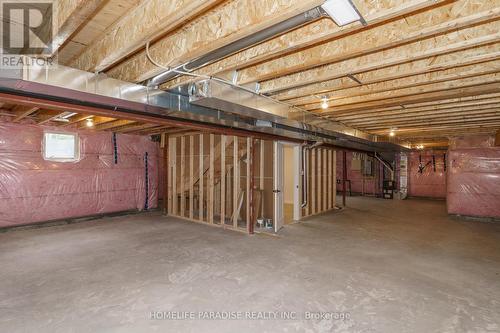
x,y
225,97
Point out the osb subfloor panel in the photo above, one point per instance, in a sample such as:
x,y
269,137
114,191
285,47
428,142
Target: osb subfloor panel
x,y
392,266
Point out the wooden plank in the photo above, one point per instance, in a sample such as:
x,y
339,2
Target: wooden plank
x,y
403,92
411,68
459,91
329,176
113,124
218,28
191,176
169,166
175,201
157,17
459,15
210,187
262,158
236,180
71,16
182,209
367,88
325,179
319,173
248,189
223,141
374,12
314,192
440,107
23,112
425,49
201,169
165,174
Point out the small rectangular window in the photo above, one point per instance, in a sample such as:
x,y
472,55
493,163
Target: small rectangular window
x,y
61,147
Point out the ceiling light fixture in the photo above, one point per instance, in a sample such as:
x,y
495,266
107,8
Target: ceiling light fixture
x,y
324,104
342,11
392,132
89,122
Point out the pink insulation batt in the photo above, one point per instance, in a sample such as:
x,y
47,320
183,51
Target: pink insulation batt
x,y
34,190
474,177
429,183
368,186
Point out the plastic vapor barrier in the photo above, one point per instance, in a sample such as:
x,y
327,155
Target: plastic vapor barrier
x,y
427,174
474,177
109,174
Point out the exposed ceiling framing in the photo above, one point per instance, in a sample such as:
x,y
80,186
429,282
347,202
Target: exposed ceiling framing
x,y
428,69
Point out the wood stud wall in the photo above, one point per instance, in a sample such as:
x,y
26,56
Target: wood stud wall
x,y
321,163
222,176
209,179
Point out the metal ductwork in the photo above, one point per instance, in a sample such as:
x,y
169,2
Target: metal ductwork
x,y
241,44
221,105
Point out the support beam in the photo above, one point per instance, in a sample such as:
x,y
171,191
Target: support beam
x,y
157,17
210,188
166,178
72,14
461,14
201,169
408,69
191,176
363,121
182,190
50,117
374,12
220,27
470,71
344,176
223,140
424,97
236,180
23,112
248,182
441,106
113,124
408,92
439,45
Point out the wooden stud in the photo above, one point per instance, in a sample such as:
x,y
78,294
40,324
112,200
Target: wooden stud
x,y
319,173
191,176
175,197
248,189
182,209
166,174
236,180
329,176
325,179
210,187
334,178
223,140
313,181
200,181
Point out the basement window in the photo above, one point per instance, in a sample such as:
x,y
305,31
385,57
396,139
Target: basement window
x,y
61,147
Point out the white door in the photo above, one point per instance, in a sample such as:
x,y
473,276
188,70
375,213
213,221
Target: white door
x,y
278,186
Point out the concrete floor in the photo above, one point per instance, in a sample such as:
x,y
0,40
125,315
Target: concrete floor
x,y
386,266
